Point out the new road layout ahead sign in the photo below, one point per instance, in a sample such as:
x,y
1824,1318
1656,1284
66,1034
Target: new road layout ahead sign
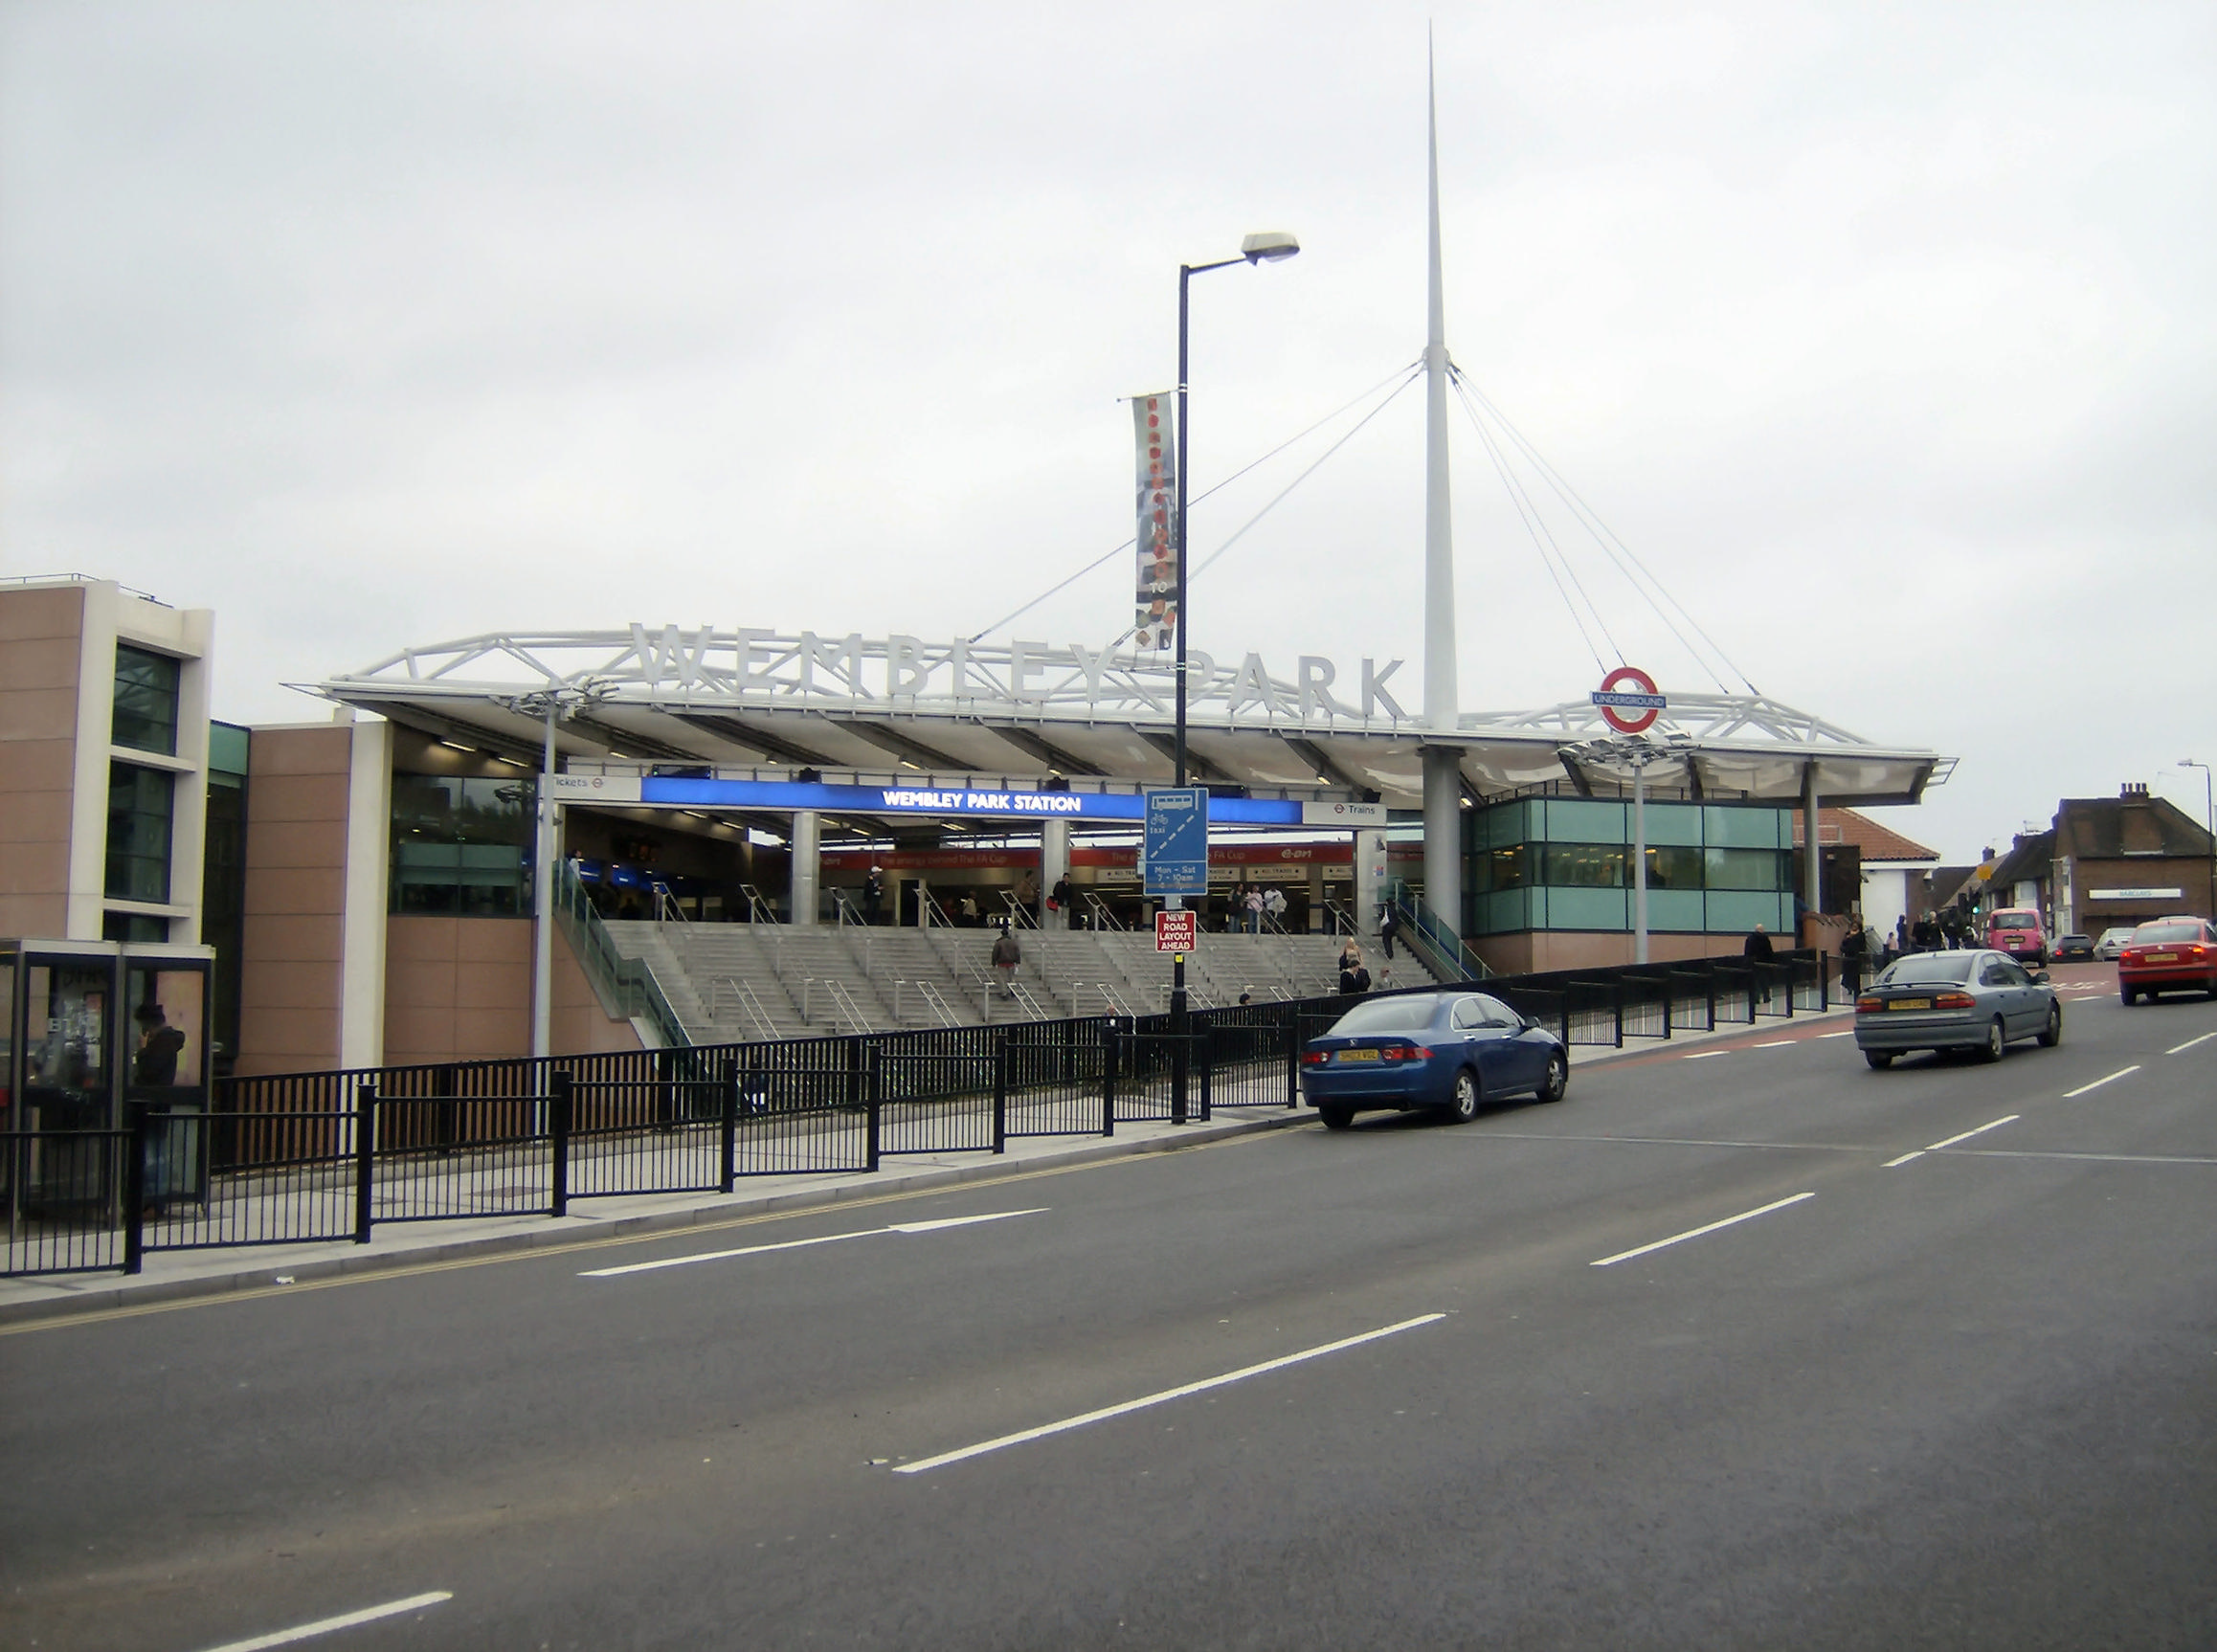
x,y
1176,931
1176,852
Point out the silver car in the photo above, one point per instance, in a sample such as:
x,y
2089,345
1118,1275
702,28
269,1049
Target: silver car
x,y
1955,1002
2112,943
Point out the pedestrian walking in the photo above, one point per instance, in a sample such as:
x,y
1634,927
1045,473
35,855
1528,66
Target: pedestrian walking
x,y
1758,952
1353,978
1389,924
1274,905
1059,900
1851,956
873,893
970,911
1254,906
1006,956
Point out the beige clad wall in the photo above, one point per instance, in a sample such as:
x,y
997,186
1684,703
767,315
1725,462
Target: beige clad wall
x,y
296,884
40,636
460,989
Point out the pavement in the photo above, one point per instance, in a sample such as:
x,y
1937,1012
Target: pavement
x,y
167,1276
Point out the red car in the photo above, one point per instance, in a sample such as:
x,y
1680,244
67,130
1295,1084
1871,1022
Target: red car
x,y
2168,955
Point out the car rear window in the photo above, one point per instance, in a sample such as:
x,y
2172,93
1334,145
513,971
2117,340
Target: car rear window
x,y
2147,933
1929,966
2014,921
1388,1016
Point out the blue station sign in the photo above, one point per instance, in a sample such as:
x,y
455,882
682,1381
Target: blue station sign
x,y
672,791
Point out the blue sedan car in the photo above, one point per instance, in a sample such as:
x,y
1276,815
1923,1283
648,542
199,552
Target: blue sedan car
x,y
1451,1051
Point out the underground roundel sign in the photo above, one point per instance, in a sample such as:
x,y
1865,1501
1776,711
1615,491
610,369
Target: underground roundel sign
x,y
1628,701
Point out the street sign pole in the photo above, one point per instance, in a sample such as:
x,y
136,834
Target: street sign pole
x,y
1176,848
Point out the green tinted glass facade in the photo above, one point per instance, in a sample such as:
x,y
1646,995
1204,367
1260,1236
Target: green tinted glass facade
x,y
461,845
144,718
141,805
1566,863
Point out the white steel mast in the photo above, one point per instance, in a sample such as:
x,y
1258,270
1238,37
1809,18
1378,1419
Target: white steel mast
x,y
1442,764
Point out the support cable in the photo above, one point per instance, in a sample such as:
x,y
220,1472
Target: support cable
x,y
1612,545
1129,543
1541,541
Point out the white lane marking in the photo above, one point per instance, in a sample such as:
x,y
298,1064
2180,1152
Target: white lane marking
x,y
1849,1034
1968,1135
1708,1228
1891,1164
1775,1044
804,1243
1703,1054
1166,1394
2098,1082
933,1227
2181,1049
327,1625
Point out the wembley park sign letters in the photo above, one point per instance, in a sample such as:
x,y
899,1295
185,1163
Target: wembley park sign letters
x,y
907,674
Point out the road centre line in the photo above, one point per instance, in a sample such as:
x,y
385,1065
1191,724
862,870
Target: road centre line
x,y
1775,1044
1163,1396
2181,1049
924,1227
1705,1228
329,1625
1703,1054
1849,1034
1896,1164
1484,1136
1968,1135
2097,1084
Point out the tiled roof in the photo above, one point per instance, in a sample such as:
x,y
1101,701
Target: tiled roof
x,y
2112,828
1876,841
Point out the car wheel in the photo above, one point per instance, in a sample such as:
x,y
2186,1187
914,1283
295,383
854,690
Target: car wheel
x,y
2051,1035
1465,1107
2130,996
1557,1079
1879,1058
1337,1118
1997,1041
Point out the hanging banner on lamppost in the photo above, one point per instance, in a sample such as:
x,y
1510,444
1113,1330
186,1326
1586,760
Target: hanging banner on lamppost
x,y
1154,615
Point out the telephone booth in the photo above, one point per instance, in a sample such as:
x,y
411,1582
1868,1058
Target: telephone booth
x,y
90,1029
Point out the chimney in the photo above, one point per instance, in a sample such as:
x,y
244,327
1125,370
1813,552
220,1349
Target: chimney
x,y
2135,791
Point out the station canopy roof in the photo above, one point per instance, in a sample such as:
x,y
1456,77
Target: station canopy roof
x,y
899,711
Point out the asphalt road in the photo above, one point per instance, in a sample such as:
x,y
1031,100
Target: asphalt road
x,y
1934,1396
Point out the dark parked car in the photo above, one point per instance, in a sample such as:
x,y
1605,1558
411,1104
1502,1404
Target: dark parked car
x,y
2167,955
1450,1051
1955,1002
2073,945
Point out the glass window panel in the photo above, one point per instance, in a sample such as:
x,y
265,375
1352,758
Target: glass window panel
x,y
1743,869
167,1031
1674,823
1586,865
1729,828
145,716
1587,908
1676,910
65,1046
1674,868
1502,912
1736,913
461,845
140,802
1582,820
1509,868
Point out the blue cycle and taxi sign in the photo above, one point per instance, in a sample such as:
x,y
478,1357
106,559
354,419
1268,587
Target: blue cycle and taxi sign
x,y
1176,840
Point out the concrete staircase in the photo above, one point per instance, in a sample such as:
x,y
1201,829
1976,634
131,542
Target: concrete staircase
x,y
733,983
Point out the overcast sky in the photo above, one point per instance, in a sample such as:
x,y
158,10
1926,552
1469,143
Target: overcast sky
x,y
1887,335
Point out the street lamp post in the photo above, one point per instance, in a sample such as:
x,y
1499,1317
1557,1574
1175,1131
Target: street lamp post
x,y
550,705
1633,751
2209,817
1264,247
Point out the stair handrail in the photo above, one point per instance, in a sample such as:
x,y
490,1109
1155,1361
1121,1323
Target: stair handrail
x,y
939,1005
1446,954
759,910
667,907
749,1000
846,1005
930,912
1023,915
627,984
1097,910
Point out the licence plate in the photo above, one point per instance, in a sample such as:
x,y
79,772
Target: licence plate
x,y
1357,1056
2160,958
1909,1004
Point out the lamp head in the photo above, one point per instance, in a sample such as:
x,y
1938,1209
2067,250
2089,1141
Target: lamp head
x,y
1268,246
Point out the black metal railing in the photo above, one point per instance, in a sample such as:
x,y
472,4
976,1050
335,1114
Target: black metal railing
x,y
304,1157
